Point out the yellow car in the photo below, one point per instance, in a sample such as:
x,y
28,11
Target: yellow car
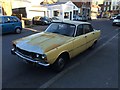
x,y
58,43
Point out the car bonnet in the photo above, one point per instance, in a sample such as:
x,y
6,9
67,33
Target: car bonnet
x,y
42,42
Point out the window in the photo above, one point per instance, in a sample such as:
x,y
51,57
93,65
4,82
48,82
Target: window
x,y
56,13
117,7
104,3
62,28
107,8
14,20
66,15
113,7
79,30
104,8
87,28
7,20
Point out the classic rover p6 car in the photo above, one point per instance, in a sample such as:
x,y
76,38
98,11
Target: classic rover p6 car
x,y
58,43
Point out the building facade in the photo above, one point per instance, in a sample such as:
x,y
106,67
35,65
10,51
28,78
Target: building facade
x,y
5,7
62,10
110,7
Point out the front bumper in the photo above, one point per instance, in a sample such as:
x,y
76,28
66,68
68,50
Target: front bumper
x,y
28,59
116,23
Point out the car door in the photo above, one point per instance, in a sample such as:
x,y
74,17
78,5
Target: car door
x,y
79,40
8,25
89,34
16,23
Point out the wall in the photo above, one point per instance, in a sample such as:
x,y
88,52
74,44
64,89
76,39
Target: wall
x,y
6,7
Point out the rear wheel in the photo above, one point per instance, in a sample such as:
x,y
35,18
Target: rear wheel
x,y
94,45
18,30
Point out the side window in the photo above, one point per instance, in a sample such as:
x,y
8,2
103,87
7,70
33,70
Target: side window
x,y
14,19
87,28
7,20
79,30
91,28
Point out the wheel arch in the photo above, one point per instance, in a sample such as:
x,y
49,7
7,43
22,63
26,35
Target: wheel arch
x,y
65,54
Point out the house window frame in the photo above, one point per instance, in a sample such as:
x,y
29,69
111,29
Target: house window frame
x,y
56,13
68,14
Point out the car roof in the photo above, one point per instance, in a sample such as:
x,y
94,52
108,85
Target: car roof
x,y
73,22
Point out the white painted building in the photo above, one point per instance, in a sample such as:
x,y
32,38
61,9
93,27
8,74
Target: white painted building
x,y
28,9
61,10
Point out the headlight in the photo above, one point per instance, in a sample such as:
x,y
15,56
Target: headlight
x,y
37,55
44,57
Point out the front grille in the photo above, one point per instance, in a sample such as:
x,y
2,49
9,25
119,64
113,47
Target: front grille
x,y
31,54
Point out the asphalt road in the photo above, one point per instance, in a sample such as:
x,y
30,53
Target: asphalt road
x,y
17,74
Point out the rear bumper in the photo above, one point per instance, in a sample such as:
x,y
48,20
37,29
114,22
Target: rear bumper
x,y
28,59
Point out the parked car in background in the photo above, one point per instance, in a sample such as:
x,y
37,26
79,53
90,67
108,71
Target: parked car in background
x,y
57,44
55,19
41,20
79,18
113,17
10,24
116,21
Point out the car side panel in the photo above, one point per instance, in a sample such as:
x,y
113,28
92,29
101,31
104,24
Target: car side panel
x,y
52,55
90,37
79,44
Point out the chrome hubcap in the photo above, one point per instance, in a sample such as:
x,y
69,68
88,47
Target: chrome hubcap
x,y
61,62
18,30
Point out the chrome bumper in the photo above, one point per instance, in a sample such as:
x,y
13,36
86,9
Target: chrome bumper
x,y
28,59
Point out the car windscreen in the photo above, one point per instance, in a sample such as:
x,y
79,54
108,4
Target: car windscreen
x,y
62,28
118,17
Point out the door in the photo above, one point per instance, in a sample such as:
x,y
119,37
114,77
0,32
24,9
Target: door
x,y
79,41
8,25
89,34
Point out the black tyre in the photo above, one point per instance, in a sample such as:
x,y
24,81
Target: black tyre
x,y
59,63
43,23
94,45
113,24
18,30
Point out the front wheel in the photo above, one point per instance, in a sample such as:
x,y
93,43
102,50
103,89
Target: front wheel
x,y
59,63
18,30
113,24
